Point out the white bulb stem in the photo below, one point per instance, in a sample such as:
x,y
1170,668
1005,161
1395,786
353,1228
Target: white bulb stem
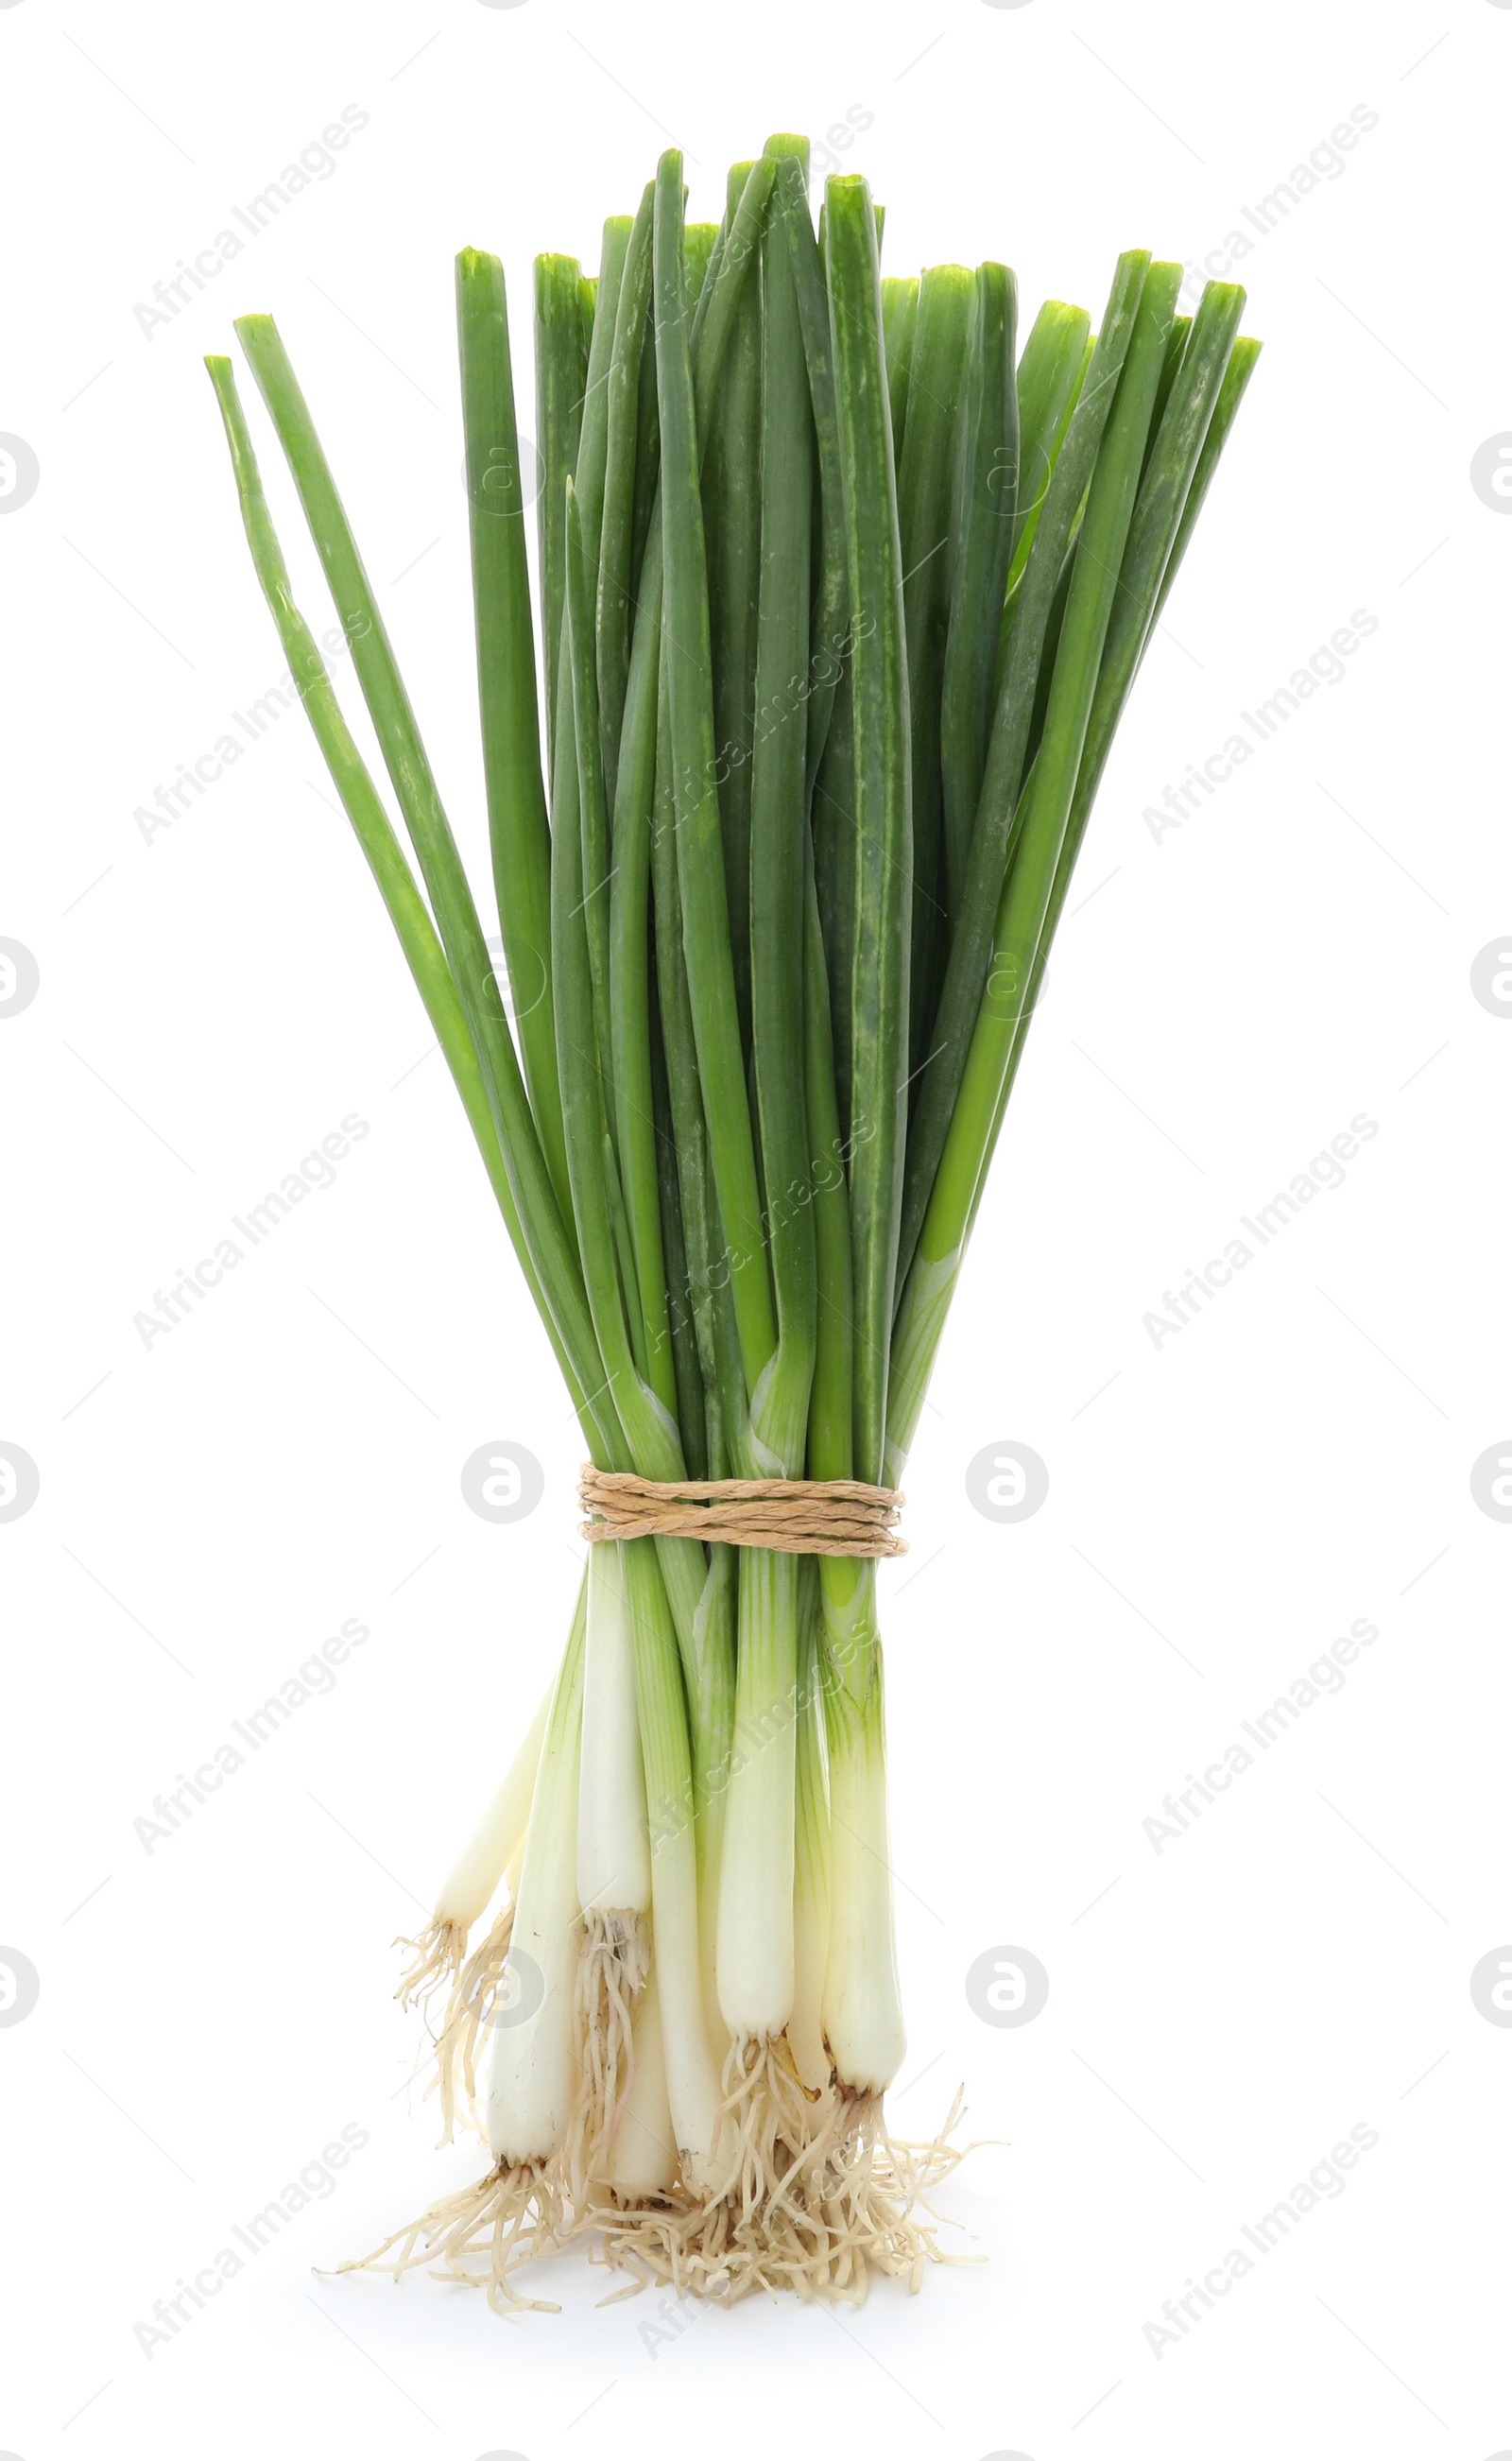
x,y
811,1913
754,1951
693,2079
614,1863
862,2005
643,2157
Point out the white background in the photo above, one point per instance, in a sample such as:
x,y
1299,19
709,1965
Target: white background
x,y
214,1001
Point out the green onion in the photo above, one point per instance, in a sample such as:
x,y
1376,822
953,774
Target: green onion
x,y
839,611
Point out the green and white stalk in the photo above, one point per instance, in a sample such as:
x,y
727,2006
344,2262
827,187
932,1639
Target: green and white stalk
x,y
862,2007
754,1963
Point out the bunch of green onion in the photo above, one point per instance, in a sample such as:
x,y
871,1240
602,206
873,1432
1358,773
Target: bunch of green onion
x,y
841,598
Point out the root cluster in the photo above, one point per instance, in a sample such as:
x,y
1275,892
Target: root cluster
x,y
480,2234
819,2198
812,2194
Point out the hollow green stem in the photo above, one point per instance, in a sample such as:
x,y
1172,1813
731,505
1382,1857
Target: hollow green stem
x,y
982,522
822,673
878,987
517,831
562,368
1049,377
623,387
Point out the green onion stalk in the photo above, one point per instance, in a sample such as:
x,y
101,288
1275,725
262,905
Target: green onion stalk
x,y
789,746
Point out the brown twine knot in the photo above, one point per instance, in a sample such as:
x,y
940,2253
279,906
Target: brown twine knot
x,y
796,1516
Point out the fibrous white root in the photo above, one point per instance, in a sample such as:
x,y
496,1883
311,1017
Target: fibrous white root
x,y
831,2209
515,2211
612,1965
437,1954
